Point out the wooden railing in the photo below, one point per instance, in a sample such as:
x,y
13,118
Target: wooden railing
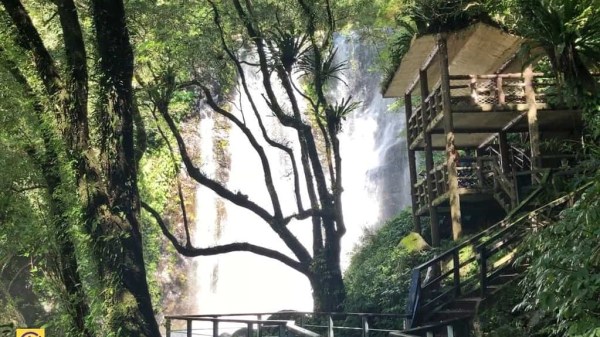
x,y
501,90
423,115
520,159
468,177
472,264
495,89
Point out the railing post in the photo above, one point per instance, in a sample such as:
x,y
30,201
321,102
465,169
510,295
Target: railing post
x,y
259,326
329,326
168,327
473,85
249,330
414,295
365,326
483,270
188,327
450,330
500,88
215,328
456,265
281,330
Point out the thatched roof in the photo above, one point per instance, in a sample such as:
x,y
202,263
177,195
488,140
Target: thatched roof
x,y
477,49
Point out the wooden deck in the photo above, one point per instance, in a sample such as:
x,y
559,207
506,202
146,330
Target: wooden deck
x,y
483,105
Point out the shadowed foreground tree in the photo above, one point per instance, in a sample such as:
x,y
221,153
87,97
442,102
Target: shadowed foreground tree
x,y
279,41
104,166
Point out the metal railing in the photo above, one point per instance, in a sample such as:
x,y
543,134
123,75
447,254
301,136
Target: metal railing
x,y
307,324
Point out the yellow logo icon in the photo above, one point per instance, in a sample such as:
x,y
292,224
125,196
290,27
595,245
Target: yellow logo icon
x,y
31,333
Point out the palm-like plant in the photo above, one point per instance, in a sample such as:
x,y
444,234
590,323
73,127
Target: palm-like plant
x,y
569,33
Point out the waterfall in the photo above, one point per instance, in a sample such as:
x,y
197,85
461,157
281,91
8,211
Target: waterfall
x,y
375,187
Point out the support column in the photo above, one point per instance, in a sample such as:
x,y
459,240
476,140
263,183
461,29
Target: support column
x,y
433,216
412,165
503,145
532,121
451,155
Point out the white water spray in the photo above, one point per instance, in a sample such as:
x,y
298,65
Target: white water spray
x,y
375,187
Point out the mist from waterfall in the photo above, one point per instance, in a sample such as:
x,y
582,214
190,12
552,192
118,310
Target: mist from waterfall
x,y
375,180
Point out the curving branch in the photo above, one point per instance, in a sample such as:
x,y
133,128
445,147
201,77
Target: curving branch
x,y
227,248
286,149
194,172
255,145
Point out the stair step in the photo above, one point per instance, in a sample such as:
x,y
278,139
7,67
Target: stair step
x,y
503,278
447,314
468,303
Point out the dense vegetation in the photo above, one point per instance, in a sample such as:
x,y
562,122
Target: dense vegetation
x,y
93,98
560,293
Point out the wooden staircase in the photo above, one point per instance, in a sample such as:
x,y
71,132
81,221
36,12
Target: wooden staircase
x,y
447,291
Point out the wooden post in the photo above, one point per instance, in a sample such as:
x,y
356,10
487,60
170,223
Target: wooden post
x,y
412,165
500,88
168,327
249,330
433,216
425,107
532,121
451,154
215,328
503,147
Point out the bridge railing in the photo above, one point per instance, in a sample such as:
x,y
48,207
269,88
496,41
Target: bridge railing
x,y
286,323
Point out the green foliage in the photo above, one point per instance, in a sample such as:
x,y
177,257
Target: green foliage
x,y
564,279
419,17
566,31
378,277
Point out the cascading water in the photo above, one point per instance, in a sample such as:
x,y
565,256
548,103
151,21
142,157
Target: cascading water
x,y
374,174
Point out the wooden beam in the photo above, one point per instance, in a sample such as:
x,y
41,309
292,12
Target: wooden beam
x,y
532,122
424,67
451,154
433,215
412,167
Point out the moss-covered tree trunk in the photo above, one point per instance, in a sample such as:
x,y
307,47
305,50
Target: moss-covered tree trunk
x,y
106,183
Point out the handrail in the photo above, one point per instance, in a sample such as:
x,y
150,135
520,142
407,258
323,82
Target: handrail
x,y
258,323
504,235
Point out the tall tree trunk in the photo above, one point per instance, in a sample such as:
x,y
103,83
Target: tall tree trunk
x,y
326,280
118,232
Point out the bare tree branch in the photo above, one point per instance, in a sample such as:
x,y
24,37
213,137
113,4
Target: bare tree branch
x,y
269,141
221,249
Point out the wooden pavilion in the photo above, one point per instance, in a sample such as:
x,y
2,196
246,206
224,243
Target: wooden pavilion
x,y
466,95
